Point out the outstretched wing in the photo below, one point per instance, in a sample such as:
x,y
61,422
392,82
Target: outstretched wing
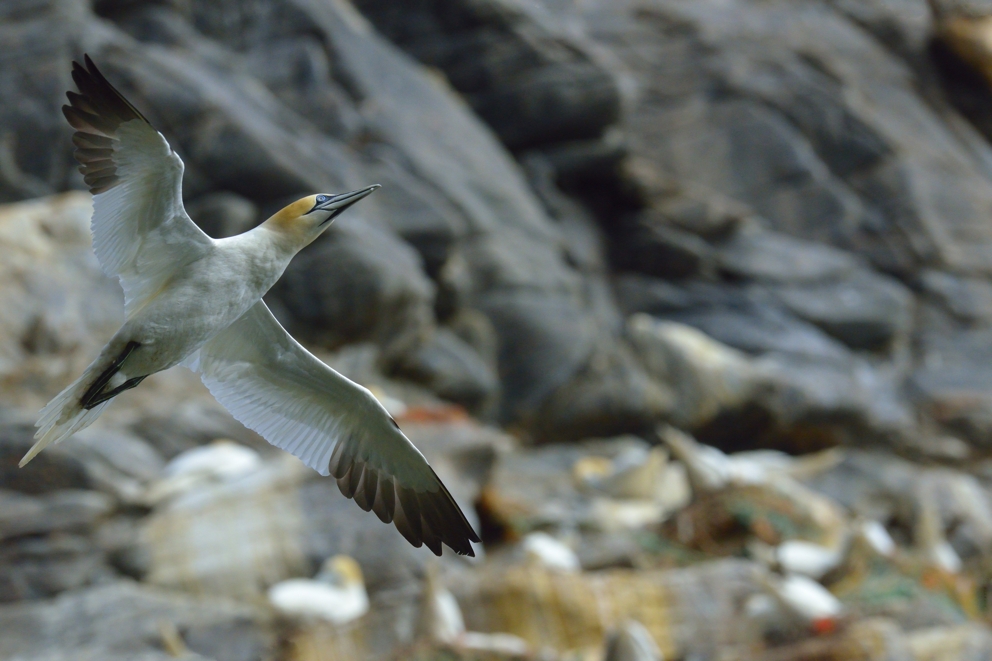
x,y
270,383
141,232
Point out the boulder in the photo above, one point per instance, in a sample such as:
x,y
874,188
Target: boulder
x,y
37,567
953,387
864,310
529,80
787,148
65,510
123,619
968,299
771,257
52,470
451,368
795,401
654,247
707,378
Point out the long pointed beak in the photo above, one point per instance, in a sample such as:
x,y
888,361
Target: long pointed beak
x,y
344,200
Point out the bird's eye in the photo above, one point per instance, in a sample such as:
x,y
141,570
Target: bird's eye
x,y
321,198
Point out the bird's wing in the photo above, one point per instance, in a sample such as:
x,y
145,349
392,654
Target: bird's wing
x,y
141,232
270,383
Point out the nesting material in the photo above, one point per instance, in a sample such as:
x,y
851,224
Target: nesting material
x,y
696,608
631,642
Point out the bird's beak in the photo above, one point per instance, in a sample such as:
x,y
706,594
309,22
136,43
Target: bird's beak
x,y
339,203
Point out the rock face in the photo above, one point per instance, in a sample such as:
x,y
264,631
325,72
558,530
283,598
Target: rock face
x,y
755,136
268,103
756,193
762,222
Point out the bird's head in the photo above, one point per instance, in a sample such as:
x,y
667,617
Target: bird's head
x,y
307,217
342,571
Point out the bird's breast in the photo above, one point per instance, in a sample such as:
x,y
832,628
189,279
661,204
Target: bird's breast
x,y
207,297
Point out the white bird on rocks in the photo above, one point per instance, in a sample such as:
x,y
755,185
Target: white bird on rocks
x,y
196,301
220,461
336,595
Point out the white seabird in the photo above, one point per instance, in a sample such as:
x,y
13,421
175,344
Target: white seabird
x,y
196,301
337,594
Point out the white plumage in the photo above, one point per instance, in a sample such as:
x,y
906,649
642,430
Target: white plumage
x,y
336,595
196,301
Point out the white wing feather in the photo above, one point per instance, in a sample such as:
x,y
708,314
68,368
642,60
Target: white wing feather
x,y
141,232
270,383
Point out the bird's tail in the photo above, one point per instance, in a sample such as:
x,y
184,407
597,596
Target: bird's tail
x,y
64,416
81,403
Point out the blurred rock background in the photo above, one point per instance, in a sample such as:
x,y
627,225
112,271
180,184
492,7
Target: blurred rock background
x,y
690,304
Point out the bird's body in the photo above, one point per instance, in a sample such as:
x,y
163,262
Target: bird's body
x,y
202,299
336,595
197,301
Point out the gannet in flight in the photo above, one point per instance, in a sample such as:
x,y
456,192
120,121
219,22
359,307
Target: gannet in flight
x,y
197,301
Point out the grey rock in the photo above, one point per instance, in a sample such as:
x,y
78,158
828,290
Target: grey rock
x,y
749,318
357,283
632,642
903,26
531,84
39,567
969,299
793,401
297,69
110,461
223,214
756,325
58,304
543,342
36,158
124,618
582,239
772,257
610,395
452,369
733,98
641,293
707,379
189,424
817,403
475,330
126,453
953,386
864,310
684,204
65,510
516,276
50,472
535,488
120,539
653,247
415,211
579,161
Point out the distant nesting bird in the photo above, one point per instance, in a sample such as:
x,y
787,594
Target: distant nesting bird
x,y
337,594
195,301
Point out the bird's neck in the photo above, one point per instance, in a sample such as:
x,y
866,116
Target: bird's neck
x,y
278,239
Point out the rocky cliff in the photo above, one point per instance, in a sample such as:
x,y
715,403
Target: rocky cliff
x,y
765,223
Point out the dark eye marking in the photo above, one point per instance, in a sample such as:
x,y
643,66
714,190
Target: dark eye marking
x,y
321,198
